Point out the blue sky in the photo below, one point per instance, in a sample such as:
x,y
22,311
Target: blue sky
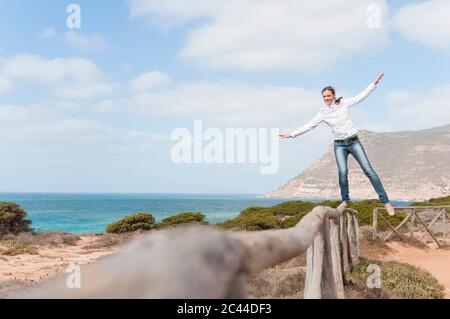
x,y
92,109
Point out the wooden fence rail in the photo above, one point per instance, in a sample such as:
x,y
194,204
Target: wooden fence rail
x,y
197,261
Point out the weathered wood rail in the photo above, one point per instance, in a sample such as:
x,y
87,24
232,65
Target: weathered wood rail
x,y
198,261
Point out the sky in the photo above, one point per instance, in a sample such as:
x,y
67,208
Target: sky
x,y
89,99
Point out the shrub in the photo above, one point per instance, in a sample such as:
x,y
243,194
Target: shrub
x,y
288,214
438,201
12,219
292,208
400,280
282,215
132,223
17,247
182,218
259,219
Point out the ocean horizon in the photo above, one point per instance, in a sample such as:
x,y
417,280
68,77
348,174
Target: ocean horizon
x,y
91,212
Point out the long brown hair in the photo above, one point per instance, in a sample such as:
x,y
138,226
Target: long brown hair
x,y
330,88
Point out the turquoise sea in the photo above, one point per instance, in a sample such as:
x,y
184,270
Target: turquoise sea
x,y
88,213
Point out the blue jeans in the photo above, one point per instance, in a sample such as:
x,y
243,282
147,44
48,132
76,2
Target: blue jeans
x,y
341,150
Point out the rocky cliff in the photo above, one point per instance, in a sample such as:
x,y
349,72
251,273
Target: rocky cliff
x,y
413,165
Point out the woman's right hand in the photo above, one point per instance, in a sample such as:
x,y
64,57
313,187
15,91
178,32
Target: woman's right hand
x,y
286,135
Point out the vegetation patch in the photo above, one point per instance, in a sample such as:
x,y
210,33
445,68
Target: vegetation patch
x,y
438,201
399,280
131,223
13,219
182,218
289,213
17,247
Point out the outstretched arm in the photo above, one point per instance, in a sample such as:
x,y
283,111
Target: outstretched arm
x,y
305,128
365,93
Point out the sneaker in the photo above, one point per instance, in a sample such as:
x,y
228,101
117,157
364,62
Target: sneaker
x,y
390,209
342,205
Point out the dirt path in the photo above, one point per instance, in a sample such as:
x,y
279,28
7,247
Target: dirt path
x,y
22,270
436,261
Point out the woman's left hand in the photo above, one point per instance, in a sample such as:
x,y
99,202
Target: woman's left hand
x,y
378,78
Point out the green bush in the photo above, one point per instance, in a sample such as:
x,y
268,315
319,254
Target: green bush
x,y
292,208
288,214
132,223
282,215
259,219
182,218
13,219
439,201
400,280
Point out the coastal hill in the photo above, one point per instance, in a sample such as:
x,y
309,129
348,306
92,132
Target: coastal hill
x,y
413,166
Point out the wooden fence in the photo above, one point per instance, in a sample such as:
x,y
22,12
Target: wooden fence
x,y
413,216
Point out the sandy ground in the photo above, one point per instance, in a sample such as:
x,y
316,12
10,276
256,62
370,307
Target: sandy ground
x,y
20,271
434,260
424,254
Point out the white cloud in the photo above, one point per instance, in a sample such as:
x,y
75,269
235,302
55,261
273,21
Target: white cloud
x,y
35,68
48,33
67,77
426,22
419,110
47,150
41,127
6,84
86,44
148,81
173,13
38,69
268,35
85,90
224,102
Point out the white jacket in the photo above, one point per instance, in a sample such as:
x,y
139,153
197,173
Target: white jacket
x,y
336,116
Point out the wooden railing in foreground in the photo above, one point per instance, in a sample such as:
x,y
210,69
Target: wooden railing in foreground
x,y
202,262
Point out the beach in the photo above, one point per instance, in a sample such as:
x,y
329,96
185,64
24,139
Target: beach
x,y
22,271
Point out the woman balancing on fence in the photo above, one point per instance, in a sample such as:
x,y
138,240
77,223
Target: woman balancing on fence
x,y
335,114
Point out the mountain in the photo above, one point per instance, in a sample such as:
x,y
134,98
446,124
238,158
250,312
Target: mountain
x,y
412,165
